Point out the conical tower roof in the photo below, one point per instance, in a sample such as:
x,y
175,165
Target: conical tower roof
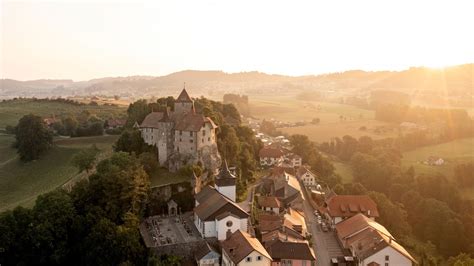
x,y
184,97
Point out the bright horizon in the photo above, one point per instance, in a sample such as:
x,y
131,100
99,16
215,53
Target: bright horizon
x,y
82,40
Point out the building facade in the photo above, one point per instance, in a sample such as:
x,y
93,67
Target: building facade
x,y
182,136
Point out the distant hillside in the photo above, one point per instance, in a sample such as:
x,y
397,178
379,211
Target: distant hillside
x,y
452,81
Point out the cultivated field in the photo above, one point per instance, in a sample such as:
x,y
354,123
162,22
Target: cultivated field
x,y
12,111
289,109
21,183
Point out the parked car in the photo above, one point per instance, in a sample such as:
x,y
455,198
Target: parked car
x,y
324,227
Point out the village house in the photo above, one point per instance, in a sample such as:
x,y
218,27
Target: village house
x,y
306,176
284,252
291,224
340,207
270,156
207,256
293,160
182,136
285,187
241,249
113,123
269,204
371,243
215,214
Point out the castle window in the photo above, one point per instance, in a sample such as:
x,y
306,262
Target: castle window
x,y
204,132
180,132
209,139
191,133
191,141
180,140
202,140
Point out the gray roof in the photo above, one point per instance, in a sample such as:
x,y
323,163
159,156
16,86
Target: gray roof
x,y
225,177
152,120
212,204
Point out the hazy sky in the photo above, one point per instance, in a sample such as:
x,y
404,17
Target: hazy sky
x,y
90,39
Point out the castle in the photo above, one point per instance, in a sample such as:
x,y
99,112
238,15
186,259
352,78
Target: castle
x,y
182,136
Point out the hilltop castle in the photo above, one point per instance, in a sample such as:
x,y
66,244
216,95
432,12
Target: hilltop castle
x,y
182,136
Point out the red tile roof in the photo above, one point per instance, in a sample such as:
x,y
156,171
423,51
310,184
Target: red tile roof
x,y
267,152
349,205
270,201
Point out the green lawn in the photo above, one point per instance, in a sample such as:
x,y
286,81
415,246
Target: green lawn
x,y
21,183
12,111
345,171
162,177
454,152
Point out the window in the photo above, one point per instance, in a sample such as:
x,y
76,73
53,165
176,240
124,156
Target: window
x,y
191,141
204,132
208,139
180,140
386,263
248,259
387,257
259,257
229,223
202,140
191,133
180,132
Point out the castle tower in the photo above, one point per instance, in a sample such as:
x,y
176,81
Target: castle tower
x,y
225,182
183,103
165,137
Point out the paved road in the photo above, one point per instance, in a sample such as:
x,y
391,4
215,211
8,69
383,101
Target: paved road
x,y
325,244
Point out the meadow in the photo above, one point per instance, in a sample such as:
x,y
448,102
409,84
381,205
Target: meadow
x,y
12,111
290,109
453,152
21,183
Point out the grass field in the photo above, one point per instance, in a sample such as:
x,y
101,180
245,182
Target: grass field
x,y
289,109
21,183
344,170
454,152
162,177
12,111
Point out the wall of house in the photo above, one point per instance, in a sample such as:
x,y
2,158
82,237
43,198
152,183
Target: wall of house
x,y
185,142
228,191
226,261
210,229
270,161
206,136
264,261
293,263
222,227
183,107
395,258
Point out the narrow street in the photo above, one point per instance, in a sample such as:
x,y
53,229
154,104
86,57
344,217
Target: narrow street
x,y
325,244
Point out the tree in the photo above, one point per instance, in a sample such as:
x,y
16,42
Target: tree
x,y
462,259
149,162
132,141
32,137
137,111
84,160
